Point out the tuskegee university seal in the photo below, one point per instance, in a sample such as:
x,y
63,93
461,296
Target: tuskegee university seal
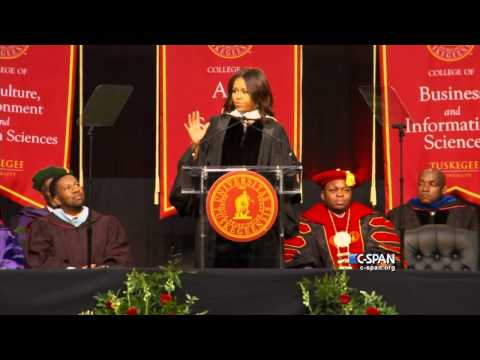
x,y
242,206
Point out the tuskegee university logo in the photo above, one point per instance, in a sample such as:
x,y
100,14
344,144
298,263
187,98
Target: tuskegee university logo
x,y
450,53
230,51
242,206
8,52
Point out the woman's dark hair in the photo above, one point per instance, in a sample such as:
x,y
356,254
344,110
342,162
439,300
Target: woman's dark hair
x,y
258,88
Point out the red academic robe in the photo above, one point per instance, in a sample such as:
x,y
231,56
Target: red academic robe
x,y
314,244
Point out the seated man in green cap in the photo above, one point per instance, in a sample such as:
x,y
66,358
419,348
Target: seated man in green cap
x,y
60,239
24,219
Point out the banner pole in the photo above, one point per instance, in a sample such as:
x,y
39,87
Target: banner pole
x,y
80,116
156,194
373,184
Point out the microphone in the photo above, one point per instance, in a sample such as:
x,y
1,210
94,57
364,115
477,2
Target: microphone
x,y
218,132
291,155
244,121
204,142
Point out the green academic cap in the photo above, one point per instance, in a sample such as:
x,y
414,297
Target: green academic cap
x,y
45,174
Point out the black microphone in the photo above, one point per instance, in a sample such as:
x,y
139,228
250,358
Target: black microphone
x,y
244,121
291,155
240,121
204,141
284,143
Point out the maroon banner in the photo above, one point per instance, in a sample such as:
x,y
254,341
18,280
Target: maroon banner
x,y
36,105
195,78
434,91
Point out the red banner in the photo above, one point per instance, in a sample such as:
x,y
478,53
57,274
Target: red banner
x,y
434,91
36,105
195,78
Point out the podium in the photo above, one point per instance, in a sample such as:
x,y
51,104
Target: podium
x,y
199,181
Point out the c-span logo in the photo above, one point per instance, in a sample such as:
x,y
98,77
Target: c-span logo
x,y
8,52
371,262
242,206
450,52
230,51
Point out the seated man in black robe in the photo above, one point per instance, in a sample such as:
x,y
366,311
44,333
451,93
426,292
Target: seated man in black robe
x,y
434,206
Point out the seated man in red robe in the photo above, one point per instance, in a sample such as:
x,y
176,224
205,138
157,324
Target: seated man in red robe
x,y
333,232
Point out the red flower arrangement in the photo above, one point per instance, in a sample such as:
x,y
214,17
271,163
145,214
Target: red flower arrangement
x,y
147,294
331,295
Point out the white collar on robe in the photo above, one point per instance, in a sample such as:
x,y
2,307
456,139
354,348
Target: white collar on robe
x,y
75,220
251,116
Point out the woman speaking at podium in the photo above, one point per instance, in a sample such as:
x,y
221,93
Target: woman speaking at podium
x,y
246,133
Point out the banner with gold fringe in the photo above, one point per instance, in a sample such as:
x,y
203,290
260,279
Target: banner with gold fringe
x,y
433,91
36,107
195,78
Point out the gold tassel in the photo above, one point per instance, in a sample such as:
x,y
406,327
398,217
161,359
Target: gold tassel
x,y
350,179
300,119
156,195
80,115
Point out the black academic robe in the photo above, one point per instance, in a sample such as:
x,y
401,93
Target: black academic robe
x,y
274,149
457,215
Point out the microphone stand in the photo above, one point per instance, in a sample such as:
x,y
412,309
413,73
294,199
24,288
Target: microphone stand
x,y
89,199
102,109
282,197
290,153
401,134
201,161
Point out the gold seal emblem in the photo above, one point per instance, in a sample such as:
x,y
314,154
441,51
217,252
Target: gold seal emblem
x,y
230,51
450,53
242,206
8,52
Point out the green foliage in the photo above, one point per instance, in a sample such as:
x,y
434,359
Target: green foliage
x,y
147,294
331,295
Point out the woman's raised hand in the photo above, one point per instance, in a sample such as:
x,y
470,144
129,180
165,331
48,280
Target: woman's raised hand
x,y
195,127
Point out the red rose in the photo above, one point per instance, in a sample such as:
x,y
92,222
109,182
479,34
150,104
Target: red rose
x,y
109,305
165,298
372,310
344,299
132,310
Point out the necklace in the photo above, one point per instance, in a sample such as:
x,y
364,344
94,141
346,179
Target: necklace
x,y
340,216
342,239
